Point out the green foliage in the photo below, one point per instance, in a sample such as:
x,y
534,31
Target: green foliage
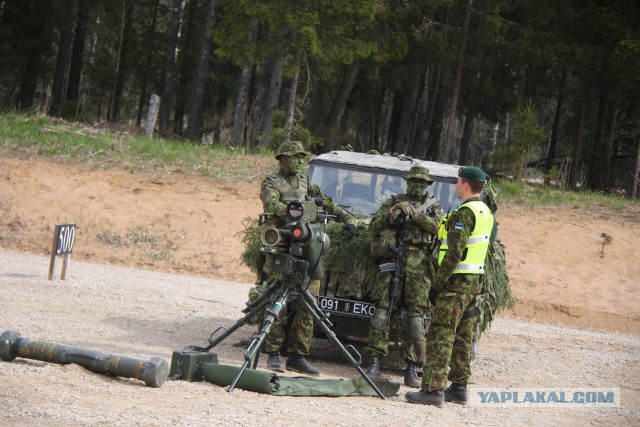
x,y
497,294
250,237
512,158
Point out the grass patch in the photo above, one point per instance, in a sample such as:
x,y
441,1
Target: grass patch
x,y
124,147
101,147
527,195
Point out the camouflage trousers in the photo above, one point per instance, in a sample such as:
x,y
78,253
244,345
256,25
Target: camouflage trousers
x,y
413,298
300,331
449,342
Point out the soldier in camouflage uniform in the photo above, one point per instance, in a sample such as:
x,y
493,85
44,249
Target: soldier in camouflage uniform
x,y
421,214
278,189
464,243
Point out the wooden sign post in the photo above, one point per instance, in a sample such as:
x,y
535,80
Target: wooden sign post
x,y
63,238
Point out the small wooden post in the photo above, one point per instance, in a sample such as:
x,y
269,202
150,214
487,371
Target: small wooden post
x,y
54,247
63,239
152,115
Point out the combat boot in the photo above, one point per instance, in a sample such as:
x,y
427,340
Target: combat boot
x,y
274,363
297,363
411,376
456,393
435,398
374,367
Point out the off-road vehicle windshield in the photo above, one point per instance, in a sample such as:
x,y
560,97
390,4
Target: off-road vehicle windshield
x,y
360,182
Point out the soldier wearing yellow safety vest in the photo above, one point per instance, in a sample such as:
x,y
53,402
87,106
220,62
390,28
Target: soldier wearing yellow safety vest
x,y
464,236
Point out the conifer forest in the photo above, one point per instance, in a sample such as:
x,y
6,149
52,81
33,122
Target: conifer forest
x,y
549,88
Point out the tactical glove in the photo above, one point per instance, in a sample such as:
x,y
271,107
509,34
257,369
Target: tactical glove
x,y
280,210
407,208
403,209
349,231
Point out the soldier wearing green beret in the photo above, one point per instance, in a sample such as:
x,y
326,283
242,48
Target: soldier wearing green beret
x,y
417,215
464,236
277,190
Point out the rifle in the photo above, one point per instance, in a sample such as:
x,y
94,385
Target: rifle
x,y
396,268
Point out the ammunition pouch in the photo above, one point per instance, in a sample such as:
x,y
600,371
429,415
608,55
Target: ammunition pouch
x,y
379,248
416,235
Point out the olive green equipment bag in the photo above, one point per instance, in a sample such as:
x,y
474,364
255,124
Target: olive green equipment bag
x,y
195,364
268,382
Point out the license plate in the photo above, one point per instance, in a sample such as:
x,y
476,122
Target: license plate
x,y
346,306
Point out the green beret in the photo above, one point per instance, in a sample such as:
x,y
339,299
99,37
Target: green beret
x,y
473,173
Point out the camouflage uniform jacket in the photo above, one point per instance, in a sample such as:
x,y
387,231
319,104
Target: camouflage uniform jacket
x,y
445,280
299,185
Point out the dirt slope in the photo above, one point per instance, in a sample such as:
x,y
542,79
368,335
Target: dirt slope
x,y
187,224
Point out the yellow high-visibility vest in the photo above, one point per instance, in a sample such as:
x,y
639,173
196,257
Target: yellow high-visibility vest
x,y
478,243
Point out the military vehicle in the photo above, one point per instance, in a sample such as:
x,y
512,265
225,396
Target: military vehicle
x,y
360,182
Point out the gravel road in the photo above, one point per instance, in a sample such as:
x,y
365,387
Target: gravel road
x,y
142,314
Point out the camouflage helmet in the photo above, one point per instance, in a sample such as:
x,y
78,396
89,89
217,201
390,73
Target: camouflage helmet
x,y
418,172
290,148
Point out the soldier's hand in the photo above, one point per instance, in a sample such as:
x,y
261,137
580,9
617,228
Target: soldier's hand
x,y
280,210
406,208
394,213
349,231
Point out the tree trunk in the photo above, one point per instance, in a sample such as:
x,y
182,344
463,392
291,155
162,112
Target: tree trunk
x,y
258,105
339,104
38,28
576,160
240,115
29,80
428,150
636,176
290,107
273,97
597,150
386,111
605,161
144,73
116,69
465,142
62,59
196,114
164,115
77,56
449,143
404,135
369,110
557,118
187,57
422,108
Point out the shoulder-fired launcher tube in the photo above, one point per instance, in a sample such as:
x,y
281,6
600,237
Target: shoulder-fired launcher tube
x,y
153,371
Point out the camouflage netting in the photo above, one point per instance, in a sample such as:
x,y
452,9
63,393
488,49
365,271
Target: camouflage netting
x,y
251,257
350,270
498,292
